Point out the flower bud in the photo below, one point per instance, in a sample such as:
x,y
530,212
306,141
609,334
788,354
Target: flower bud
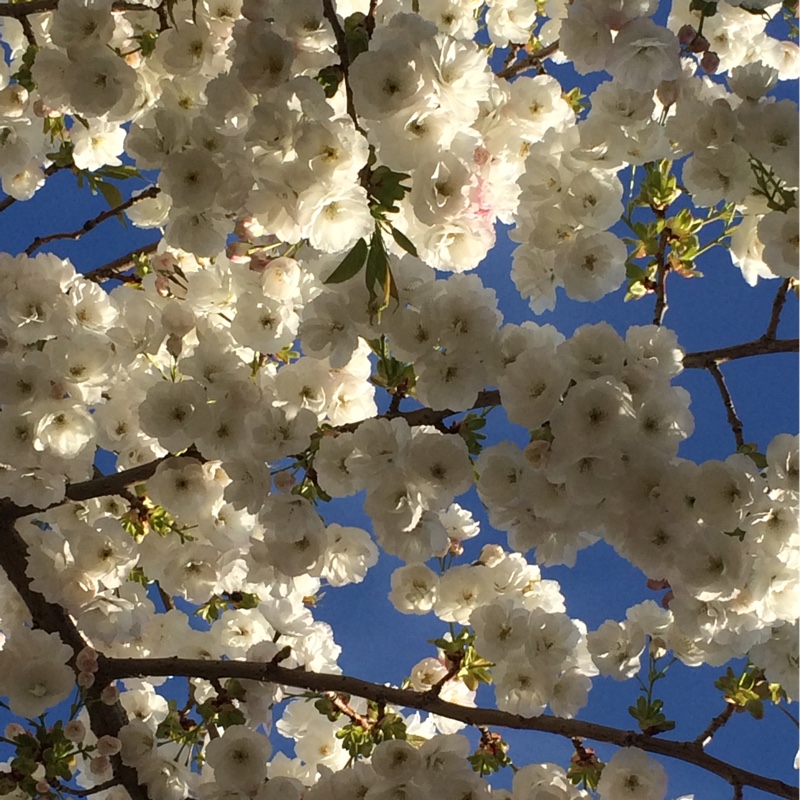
x,y
110,695
14,729
686,35
99,765
238,252
85,679
75,731
668,92
86,660
709,62
108,745
284,481
700,44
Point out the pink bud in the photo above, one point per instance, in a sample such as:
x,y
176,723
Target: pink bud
x,y
110,695
700,45
14,729
238,252
284,481
86,660
75,731
686,35
668,92
99,765
108,745
259,262
85,679
710,62
162,285
456,548
43,787
482,156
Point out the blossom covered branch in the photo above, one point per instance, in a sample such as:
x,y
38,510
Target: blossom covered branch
x,y
119,668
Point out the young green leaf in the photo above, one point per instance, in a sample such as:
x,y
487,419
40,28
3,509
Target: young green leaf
x,y
404,242
351,264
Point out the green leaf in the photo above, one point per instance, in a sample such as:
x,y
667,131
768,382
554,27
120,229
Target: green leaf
x,y
386,187
230,715
330,78
112,196
380,281
351,264
708,8
120,172
404,242
355,34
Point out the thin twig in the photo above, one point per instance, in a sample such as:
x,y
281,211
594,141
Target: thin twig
x,y
27,30
344,57
338,702
121,264
662,268
112,669
164,597
101,787
369,22
777,308
532,60
91,224
705,737
733,420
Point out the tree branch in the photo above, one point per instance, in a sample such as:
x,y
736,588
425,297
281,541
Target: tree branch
x,y
777,307
21,10
344,58
758,347
91,224
121,264
705,737
733,419
532,60
112,669
105,720
662,268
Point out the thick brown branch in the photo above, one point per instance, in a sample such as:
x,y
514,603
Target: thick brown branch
x,y
758,347
105,720
121,264
112,669
705,737
91,224
733,419
430,416
105,485
777,308
530,61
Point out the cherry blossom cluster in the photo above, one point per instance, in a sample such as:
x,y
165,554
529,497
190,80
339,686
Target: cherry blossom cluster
x,y
295,149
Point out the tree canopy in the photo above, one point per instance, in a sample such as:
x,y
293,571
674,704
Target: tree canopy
x,y
318,342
